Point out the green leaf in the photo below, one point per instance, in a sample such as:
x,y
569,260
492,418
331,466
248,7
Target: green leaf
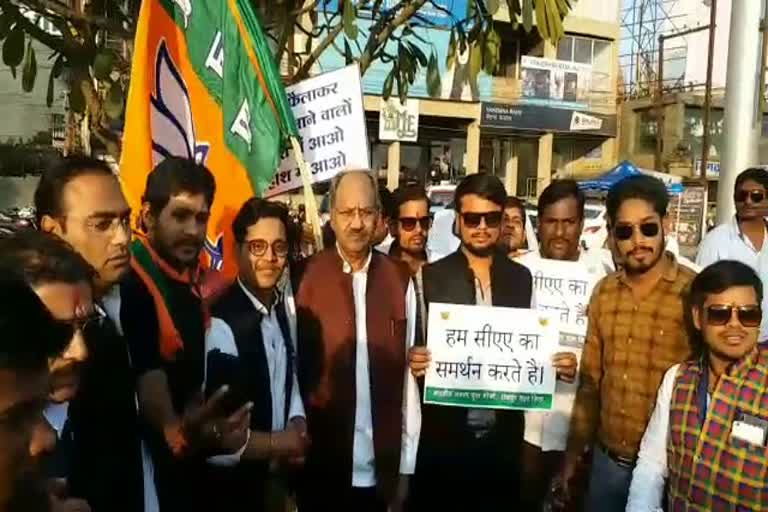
x,y
350,20
103,65
5,24
388,83
541,19
29,71
114,102
402,90
475,60
49,94
58,66
492,6
434,87
348,58
491,51
416,52
450,56
527,15
13,48
76,98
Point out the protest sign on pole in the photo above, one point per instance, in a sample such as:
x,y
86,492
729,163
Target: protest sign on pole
x,y
330,116
562,289
490,357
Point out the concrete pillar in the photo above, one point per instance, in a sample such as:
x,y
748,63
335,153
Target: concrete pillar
x,y
742,101
393,165
544,170
472,160
609,153
510,176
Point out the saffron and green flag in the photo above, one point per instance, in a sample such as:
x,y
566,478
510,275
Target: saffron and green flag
x,y
204,85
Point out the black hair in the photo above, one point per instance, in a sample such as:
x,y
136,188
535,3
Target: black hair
x,y
174,176
516,203
50,188
646,188
559,190
387,203
407,194
254,210
41,258
756,174
717,278
487,186
30,333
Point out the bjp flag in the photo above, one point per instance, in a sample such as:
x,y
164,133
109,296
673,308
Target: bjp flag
x,y
204,85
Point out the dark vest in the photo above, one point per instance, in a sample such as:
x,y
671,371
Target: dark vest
x,y
451,281
327,355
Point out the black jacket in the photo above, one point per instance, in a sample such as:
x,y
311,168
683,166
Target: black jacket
x,y
451,281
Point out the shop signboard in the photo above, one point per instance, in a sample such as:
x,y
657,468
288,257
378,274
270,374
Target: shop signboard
x,y
398,121
538,118
555,83
331,120
490,357
687,212
713,169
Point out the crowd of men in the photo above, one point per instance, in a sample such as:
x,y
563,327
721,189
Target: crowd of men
x,y
124,386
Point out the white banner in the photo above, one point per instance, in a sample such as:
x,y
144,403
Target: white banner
x,y
490,357
398,121
330,116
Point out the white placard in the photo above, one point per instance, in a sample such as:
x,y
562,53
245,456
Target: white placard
x,y
490,357
330,116
398,121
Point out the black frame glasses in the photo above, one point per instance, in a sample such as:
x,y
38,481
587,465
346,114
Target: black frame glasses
x,y
624,232
258,247
720,314
473,219
756,196
409,223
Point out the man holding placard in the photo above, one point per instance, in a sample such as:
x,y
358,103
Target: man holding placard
x,y
470,456
563,277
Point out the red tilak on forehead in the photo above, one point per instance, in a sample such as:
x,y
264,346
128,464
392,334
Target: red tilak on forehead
x,y
81,308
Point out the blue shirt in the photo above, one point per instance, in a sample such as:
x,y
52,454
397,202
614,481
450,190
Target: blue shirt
x,y
727,242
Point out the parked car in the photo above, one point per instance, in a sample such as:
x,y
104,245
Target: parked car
x,y
595,229
440,196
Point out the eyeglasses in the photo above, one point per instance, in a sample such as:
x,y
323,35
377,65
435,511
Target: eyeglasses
x,y
83,323
756,196
409,223
259,248
348,215
721,314
624,232
473,219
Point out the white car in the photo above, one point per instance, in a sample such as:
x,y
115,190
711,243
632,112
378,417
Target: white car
x,y
595,230
440,196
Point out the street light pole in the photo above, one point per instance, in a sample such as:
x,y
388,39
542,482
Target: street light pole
x,y
743,90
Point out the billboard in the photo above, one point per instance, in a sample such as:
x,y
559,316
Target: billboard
x,y
555,83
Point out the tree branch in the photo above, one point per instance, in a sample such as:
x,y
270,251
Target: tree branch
x,y
306,66
114,26
55,43
407,13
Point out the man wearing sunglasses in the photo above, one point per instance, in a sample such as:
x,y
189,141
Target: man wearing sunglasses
x,y
705,446
250,346
636,331
410,227
62,280
743,238
470,458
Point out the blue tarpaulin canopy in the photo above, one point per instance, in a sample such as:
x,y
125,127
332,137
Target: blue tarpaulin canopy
x,y
625,169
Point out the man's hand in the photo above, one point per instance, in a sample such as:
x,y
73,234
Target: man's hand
x,y
401,494
566,365
292,442
561,484
299,424
231,434
59,500
419,359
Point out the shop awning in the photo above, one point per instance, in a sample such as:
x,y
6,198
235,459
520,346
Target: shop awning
x,y
604,182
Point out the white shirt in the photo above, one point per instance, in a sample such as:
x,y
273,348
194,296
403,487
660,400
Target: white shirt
x,y
220,336
727,242
649,476
363,458
549,429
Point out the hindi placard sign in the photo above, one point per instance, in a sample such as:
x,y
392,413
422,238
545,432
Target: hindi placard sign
x,y
490,357
331,120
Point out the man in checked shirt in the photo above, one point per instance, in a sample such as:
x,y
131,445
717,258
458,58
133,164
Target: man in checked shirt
x,y
636,332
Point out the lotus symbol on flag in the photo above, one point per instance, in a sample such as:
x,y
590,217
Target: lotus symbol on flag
x,y
215,251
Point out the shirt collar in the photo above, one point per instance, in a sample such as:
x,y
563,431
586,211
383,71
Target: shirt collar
x,y
261,308
347,267
740,234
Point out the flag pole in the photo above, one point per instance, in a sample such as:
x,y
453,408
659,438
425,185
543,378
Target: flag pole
x,y
310,203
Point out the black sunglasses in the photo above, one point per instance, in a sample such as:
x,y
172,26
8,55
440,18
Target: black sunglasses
x,y
409,223
756,196
624,232
721,314
473,219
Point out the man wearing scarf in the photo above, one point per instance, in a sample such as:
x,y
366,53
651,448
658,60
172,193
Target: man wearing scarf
x,y
164,321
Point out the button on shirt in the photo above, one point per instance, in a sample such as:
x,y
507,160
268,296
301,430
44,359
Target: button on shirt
x,y
363,459
629,346
727,242
220,337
